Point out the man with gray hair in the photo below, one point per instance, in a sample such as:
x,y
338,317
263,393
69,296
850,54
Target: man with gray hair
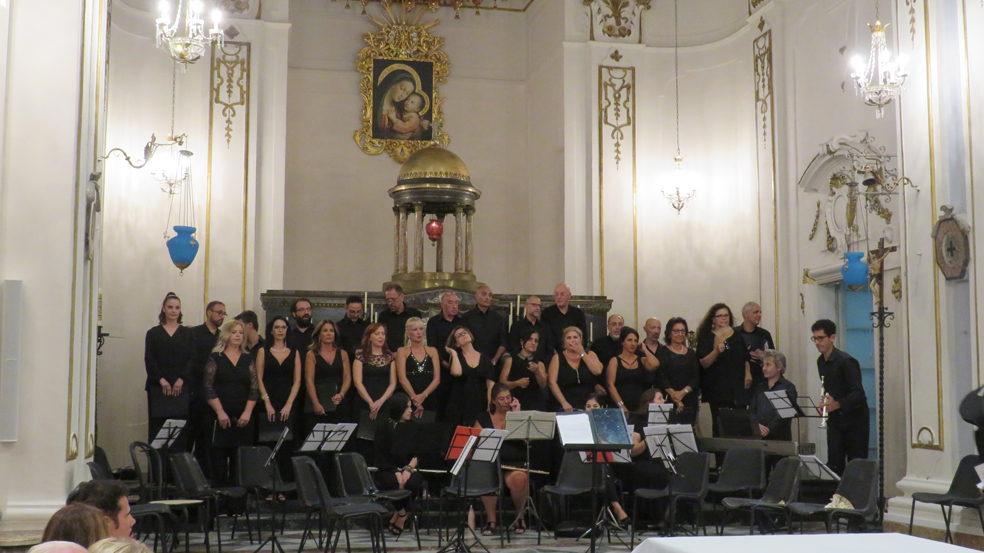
x,y
771,425
439,328
756,338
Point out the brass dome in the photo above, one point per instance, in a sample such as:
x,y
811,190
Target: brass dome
x,y
435,177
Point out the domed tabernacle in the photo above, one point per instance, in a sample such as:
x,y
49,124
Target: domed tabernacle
x,y
434,176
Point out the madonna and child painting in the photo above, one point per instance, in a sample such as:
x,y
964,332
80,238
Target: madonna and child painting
x,y
401,99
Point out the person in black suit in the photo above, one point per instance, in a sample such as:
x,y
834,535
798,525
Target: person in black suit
x,y
847,406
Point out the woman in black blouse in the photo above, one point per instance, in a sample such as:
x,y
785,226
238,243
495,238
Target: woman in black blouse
x,y
630,373
168,355
724,358
395,458
232,388
525,373
326,366
418,369
374,371
679,372
474,376
573,372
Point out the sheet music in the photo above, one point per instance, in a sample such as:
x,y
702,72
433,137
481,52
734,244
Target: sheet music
x,y
464,454
536,424
780,400
168,433
575,428
682,438
338,434
621,456
489,442
659,413
316,437
658,441
818,469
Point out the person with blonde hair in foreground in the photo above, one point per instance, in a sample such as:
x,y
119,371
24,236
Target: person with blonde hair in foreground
x,y
57,547
118,545
77,523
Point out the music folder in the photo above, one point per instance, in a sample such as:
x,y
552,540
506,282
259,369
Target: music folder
x,y
325,391
594,430
167,407
270,431
233,436
659,413
460,439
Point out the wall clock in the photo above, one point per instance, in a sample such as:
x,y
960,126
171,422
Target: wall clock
x,y
951,245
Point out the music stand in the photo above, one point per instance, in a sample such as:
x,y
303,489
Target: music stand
x,y
337,436
165,438
660,447
464,454
659,413
817,469
529,426
270,467
682,438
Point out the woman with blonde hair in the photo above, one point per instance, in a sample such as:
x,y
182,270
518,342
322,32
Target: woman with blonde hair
x,y
78,523
417,368
231,387
118,545
573,373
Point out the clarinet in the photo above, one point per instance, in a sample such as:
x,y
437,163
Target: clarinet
x,y
823,414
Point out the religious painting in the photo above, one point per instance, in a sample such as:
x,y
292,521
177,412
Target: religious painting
x,y
402,68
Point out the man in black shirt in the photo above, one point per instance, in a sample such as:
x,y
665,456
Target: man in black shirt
x,y
756,338
395,318
545,349
439,327
253,339
609,346
844,399
205,336
352,326
299,335
562,315
488,326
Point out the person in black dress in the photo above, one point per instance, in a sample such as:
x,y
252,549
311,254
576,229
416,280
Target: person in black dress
x,y
679,372
526,373
169,351
771,425
374,371
472,378
232,388
511,454
724,358
396,460
573,373
418,369
278,371
327,376
630,372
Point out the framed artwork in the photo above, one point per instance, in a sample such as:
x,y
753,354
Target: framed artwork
x,y
401,69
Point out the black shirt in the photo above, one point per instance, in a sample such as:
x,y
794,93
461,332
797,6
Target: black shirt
x,y
558,321
724,380
841,376
544,350
757,339
607,348
489,329
438,330
350,334
298,339
765,413
396,326
168,356
204,344
253,351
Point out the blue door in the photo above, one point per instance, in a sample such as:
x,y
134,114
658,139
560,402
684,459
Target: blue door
x,y
856,336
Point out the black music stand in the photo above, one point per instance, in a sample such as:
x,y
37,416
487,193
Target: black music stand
x,y
529,426
271,468
165,438
595,431
327,438
457,542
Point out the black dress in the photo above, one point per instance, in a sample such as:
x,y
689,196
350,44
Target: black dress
x,y
470,391
278,378
421,374
171,357
631,382
532,397
512,452
676,372
375,377
328,374
233,385
576,385
722,385
394,448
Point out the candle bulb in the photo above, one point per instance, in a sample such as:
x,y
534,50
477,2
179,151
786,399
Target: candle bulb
x,y
510,319
365,301
591,331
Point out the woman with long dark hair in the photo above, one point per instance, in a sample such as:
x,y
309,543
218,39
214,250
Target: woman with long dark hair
x,y
169,350
680,372
724,358
630,372
278,374
525,373
395,457
326,365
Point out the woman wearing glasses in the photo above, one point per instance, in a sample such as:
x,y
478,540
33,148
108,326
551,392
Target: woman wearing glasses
x,y
724,357
679,372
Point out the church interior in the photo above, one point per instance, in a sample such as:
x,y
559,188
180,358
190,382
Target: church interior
x,y
657,156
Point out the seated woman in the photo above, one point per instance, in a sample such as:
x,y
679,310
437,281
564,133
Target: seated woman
x,y
512,454
594,402
395,458
771,425
644,471
631,371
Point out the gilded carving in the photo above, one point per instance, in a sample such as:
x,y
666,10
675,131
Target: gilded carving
x,y
897,287
234,6
816,222
617,103
831,241
762,50
617,18
912,19
401,68
230,82
434,175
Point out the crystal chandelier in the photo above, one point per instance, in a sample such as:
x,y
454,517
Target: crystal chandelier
x,y
679,193
189,48
880,80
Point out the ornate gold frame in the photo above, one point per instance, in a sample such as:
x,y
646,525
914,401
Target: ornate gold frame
x,y
401,39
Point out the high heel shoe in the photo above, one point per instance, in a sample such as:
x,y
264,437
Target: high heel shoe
x,y
401,518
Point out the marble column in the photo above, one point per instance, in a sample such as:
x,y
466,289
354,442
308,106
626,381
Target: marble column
x,y
459,243
396,243
469,251
440,248
418,239
402,240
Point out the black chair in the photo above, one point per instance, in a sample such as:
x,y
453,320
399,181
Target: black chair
x,y
156,514
309,480
782,490
257,479
151,489
743,472
859,485
690,483
963,492
191,484
358,485
477,479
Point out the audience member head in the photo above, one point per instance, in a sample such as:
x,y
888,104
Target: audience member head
x,y
676,331
277,330
483,297
215,313
652,328
751,313
718,316
231,333
824,331
533,307
501,397
109,497
449,305
460,336
594,401
170,309
394,298
354,308
529,339
773,363
58,547
562,295
572,337
79,523
629,339
374,337
615,324
398,407
301,310
118,545
325,334
415,328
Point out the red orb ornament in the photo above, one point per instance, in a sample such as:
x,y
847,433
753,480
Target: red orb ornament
x,y
434,230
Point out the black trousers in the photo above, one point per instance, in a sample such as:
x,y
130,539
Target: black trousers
x,y
847,438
